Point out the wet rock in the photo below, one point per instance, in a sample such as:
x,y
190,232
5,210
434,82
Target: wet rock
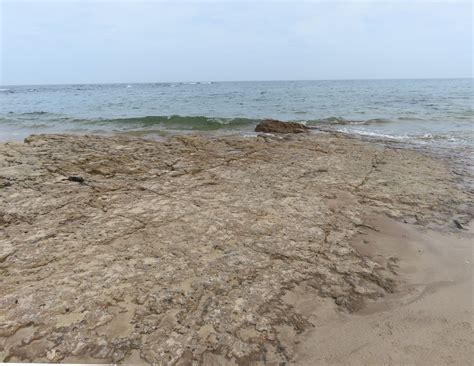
x,y
275,126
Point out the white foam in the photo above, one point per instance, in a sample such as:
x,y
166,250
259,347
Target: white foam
x,y
373,134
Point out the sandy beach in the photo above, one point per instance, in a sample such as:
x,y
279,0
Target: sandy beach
x,y
311,249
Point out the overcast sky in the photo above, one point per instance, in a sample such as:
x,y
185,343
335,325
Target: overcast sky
x,y
108,41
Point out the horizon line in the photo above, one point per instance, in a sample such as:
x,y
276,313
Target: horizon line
x,y
235,81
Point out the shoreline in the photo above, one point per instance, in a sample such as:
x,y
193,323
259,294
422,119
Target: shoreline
x,y
199,247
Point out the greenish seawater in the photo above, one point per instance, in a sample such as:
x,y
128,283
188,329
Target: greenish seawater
x,y
424,111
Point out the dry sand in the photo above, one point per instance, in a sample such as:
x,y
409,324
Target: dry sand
x,y
315,249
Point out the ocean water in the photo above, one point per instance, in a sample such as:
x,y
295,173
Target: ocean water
x,y
438,111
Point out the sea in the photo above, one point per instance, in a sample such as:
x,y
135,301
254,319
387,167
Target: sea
x,y
436,112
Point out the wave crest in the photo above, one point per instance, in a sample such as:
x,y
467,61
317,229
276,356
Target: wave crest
x,y
199,123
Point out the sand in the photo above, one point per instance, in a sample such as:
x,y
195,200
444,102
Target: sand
x,y
427,321
313,249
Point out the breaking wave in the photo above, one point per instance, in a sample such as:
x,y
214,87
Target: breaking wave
x,y
178,122
199,123
174,122
374,134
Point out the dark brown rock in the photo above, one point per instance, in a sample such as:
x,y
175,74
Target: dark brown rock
x,y
76,179
275,126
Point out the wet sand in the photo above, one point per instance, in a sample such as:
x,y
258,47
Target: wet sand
x,y
427,321
314,249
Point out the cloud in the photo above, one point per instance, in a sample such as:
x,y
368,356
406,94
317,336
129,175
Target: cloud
x,y
100,41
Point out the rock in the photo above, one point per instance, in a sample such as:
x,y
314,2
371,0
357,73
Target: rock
x,y
458,224
170,266
275,126
411,220
77,179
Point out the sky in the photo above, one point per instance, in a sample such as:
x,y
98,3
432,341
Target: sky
x,y
60,42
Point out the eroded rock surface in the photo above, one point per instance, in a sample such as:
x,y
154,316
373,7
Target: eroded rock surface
x,y
127,250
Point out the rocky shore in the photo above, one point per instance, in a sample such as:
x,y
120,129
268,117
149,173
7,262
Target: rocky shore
x,y
116,249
